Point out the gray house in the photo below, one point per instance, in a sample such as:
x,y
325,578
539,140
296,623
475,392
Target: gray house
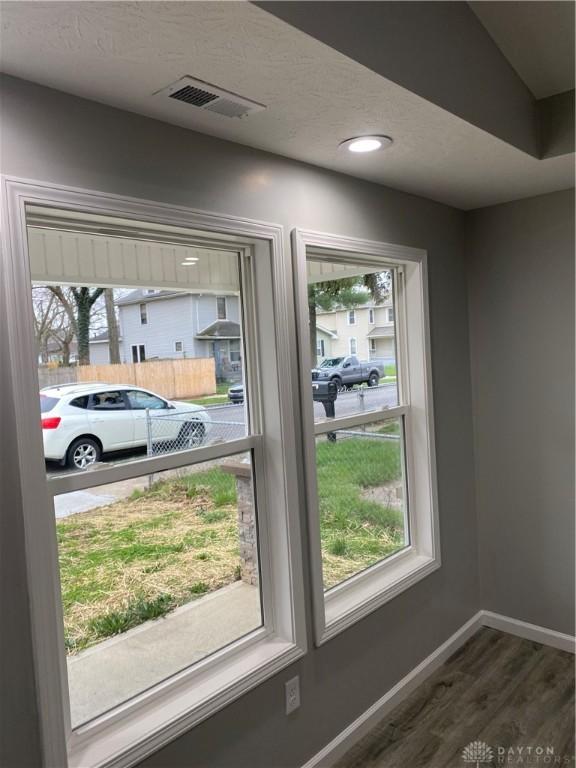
x,y
160,324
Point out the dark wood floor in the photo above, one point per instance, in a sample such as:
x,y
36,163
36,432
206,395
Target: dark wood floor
x,y
497,689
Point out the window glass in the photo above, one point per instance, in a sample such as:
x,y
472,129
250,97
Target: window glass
x,y
371,382
235,354
47,403
143,314
371,316
221,307
80,402
139,400
178,346
157,573
108,401
361,496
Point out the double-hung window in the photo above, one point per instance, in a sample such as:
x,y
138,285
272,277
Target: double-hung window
x,y
167,580
370,465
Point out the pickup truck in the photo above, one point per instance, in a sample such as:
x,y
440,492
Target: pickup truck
x,y
346,371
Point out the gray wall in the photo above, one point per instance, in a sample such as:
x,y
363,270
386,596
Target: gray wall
x,y
19,735
522,330
51,136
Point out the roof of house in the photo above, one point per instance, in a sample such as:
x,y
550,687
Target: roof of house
x,y
99,338
221,329
326,331
381,332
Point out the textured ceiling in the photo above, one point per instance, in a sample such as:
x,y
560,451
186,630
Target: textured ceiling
x,y
122,53
536,37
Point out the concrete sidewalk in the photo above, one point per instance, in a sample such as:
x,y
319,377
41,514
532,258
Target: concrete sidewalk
x,y
112,672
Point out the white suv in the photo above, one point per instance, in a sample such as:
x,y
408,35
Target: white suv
x,y
80,422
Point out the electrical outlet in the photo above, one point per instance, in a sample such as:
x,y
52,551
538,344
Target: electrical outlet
x,y
292,694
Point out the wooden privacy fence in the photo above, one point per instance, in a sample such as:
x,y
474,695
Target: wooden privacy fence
x,y
171,378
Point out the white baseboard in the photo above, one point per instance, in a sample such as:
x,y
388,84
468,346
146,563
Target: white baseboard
x,y
334,750
368,719
529,631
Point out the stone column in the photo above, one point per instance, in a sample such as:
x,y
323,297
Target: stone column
x,y
246,520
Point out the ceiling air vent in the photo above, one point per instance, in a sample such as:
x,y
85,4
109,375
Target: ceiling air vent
x,y
208,97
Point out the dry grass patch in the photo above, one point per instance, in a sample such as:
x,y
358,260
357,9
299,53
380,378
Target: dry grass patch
x,y
141,557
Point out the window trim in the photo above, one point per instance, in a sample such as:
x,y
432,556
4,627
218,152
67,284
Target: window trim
x,y
344,605
184,705
138,348
355,340
143,313
371,315
351,312
181,350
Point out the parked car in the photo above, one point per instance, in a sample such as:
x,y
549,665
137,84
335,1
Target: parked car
x,y
236,393
346,371
80,422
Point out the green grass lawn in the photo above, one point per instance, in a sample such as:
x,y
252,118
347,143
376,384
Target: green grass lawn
x,y
139,558
218,398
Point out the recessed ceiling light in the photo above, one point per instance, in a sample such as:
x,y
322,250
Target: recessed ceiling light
x,y
362,144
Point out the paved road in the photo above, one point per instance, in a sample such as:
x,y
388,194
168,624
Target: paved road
x,y
228,423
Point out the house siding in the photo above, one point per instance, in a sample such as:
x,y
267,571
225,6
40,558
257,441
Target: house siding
x,y
169,320
100,353
337,321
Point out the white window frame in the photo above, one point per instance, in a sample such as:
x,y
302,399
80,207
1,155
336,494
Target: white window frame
x,y
144,724
371,316
355,340
176,343
138,348
351,316
320,348
351,600
143,308
390,314
372,343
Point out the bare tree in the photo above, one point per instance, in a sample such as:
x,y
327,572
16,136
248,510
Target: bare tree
x,y
46,310
112,323
78,303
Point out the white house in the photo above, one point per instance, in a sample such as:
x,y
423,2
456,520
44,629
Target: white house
x,y
161,324
366,331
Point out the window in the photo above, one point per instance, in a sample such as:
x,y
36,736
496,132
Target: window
x,y
107,401
178,346
143,314
80,402
48,403
203,494
221,307
370,469
351,317
390,314
320,351
371,316
140,400
138,353
235,353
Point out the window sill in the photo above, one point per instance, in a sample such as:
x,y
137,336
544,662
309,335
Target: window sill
x,y
353,599
130,733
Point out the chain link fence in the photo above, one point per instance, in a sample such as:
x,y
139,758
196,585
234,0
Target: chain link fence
x,y
180,431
